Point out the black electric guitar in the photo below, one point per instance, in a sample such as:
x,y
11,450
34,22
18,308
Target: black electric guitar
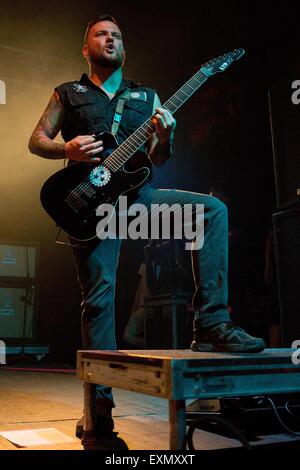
x,y
72,195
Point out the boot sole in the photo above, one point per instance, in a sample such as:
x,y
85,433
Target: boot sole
x,y
210,347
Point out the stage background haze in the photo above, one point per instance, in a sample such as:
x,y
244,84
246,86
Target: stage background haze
x,y
222,139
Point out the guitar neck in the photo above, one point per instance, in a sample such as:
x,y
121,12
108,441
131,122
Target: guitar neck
x,y
132,144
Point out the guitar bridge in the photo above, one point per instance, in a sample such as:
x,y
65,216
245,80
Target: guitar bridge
x,y
74,199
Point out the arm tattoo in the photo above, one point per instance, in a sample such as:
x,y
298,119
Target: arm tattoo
x,y
41,141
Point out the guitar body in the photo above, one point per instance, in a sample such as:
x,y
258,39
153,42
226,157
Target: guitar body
x,y
72,195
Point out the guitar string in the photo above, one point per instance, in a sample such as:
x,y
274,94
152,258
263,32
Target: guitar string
x,y
139,134
175,105
110,162
144,128
127,144
176,96
170,103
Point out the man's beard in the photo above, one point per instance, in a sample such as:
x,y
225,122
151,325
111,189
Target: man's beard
x,y
109,62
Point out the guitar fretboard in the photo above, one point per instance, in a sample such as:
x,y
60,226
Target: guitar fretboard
x,y
132,144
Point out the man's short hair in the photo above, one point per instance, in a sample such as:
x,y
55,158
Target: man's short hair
x,y
95,20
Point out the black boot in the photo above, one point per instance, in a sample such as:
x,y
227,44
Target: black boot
x,y
104,420
225,337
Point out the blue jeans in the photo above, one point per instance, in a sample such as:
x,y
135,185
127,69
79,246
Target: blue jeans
x,y
97,263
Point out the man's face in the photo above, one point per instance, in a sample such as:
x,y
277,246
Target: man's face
x,y
104,45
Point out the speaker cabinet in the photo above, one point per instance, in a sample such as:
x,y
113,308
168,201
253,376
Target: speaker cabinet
x,y
286,225
18,292
285,121
17,313
17,261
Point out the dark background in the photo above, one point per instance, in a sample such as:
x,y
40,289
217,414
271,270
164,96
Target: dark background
x,y
223,135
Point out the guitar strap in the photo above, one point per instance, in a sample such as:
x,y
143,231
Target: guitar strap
x,y
119,111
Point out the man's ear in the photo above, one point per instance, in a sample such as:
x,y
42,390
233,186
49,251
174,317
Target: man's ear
x,y
85,51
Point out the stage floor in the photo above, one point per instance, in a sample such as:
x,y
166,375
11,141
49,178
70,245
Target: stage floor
x,y
37,400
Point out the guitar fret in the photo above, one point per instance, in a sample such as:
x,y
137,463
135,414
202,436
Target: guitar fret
x,y
129,145
133,142
111,166
126,148
186,94
115,165
187,90
139,137
189,86
121,159
139,140
182,92
172,99
181,100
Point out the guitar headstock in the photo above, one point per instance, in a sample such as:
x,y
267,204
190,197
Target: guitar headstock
x,y
221,63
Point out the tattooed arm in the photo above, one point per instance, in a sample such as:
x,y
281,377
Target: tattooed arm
x,y
81,148
41,141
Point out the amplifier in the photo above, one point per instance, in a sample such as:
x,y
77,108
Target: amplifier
x,y
18,261
17,313
285,119
287,250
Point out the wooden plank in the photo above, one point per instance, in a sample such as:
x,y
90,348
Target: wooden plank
x,y
150,380
157,357
120,356
177,424
180,377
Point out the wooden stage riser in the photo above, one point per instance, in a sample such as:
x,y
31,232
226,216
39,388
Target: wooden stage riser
x,y
151,381
182,374
192,384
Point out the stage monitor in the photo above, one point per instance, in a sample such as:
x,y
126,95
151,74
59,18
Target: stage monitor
x,y
17,261
17,308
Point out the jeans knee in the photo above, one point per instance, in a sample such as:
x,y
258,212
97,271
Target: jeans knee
x,y
222,209
98,299
218,207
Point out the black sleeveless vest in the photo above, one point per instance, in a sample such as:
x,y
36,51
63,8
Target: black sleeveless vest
x,y
88,110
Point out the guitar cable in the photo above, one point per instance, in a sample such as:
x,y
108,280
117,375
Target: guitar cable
x,y
67,244
273,406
